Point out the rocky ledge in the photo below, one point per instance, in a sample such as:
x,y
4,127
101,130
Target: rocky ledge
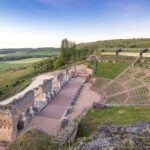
x,y
98,106
114,137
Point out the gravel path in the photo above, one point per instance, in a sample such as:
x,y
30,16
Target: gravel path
x,y
85,100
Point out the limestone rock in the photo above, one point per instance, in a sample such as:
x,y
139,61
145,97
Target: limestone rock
x,y
114,137
98,106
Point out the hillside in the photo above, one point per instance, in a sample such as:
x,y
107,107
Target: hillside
x,y
17,54
120,43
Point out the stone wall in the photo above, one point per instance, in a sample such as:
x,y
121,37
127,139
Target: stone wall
x,y
20,111
47,86
24,101
8,123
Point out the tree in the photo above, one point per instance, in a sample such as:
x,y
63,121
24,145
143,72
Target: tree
x,y
68,53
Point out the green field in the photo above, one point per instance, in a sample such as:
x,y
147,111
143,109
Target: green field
x,y
18,66
16,75
109,70
112,116
8,65
18,54
32,53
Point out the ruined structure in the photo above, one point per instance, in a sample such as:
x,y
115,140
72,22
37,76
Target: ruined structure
x,y
8,123
17,113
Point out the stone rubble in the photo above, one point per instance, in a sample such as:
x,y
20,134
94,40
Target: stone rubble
x,y
114,137
98,106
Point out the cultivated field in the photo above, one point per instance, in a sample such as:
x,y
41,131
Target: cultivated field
x,y
8,65
40,52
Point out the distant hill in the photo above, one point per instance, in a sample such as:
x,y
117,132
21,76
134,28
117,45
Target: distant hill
x,y
120,43
22,53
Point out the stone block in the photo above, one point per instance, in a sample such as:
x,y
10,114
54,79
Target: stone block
x,y
73,102
64,122
98,106
69,111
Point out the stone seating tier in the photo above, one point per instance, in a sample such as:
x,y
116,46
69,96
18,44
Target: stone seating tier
x,y
113,88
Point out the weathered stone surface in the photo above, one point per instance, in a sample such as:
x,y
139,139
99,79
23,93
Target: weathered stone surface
x,y
98,106
64,122
25,101
47,86
30,104
133,136
8,123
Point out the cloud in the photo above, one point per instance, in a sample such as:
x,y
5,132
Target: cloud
x,y
56,3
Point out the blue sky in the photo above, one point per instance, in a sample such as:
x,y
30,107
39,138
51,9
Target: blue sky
x,y
41,23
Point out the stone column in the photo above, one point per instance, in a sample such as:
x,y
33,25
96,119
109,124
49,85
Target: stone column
x,y
31,112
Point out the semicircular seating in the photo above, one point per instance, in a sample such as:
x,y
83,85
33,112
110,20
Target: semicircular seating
x,y
132,86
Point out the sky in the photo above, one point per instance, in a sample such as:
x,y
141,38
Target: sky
x,y
44,23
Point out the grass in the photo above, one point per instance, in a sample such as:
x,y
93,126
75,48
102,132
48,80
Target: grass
x,y
127,44
126,51
140,75
17,75
41,52
32,140
90,64
109,70
5,65
113,116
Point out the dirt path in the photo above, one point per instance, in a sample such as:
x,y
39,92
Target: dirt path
x,y
85,100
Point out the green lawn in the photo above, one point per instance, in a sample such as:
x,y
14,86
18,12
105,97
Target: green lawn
x,y
112,116
109,70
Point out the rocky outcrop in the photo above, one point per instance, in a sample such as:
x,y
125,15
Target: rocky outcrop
x,y
114,137
98,106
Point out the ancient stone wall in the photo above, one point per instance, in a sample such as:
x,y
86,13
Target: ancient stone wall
x,y
47,86
8,123
24,101
17,113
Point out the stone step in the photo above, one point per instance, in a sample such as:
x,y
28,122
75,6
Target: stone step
x,y
57,140
61,137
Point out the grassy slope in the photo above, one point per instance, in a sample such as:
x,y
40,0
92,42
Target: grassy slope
x,y
31,140
29,52
17,75
112,116
109,70
5,65
125,43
